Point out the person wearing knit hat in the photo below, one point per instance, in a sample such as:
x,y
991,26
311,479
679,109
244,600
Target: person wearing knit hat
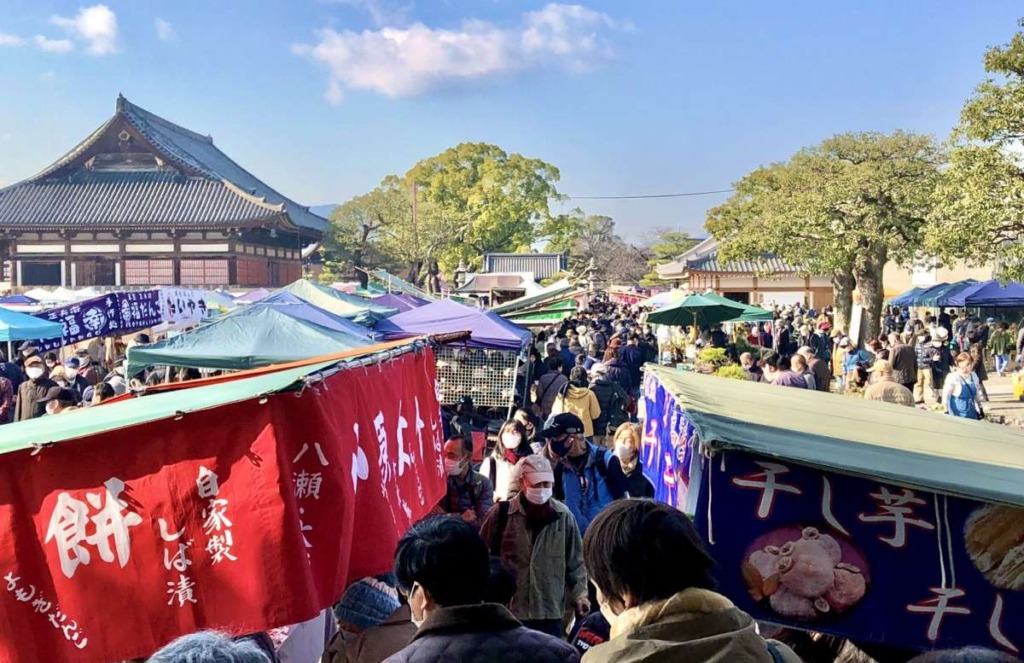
x,y
366,605
538,537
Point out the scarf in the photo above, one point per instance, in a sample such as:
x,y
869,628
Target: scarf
x,y
687,604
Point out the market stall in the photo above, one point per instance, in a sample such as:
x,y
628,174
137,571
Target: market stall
x,y
347,306
235,506
872,521
485,367
259,335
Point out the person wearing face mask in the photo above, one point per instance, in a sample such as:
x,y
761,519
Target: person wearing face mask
x,y
444,568
660,599
50,359
60,400
116,379
587,477
86,367
470,495
26,351
75,381
579,400
538,537
33,392
500,463
627,449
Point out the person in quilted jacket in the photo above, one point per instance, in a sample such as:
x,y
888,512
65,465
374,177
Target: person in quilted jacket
x,y
443,565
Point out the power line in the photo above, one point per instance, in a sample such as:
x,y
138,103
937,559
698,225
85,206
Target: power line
x,y
655,195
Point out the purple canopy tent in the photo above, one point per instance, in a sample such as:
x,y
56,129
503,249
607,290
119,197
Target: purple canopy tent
x,y
488,330
485,367
400,301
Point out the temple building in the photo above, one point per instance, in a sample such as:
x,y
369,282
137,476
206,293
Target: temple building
x,y
144,202
769,280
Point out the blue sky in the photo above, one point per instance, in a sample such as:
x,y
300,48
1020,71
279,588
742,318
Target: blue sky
x,y
323,98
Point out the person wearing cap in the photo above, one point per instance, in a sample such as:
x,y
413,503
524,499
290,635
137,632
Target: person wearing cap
x,y
469,494
885,388
33,392
941,361
821,344
76,382
539,538
60,399
26,351
587,477
367,603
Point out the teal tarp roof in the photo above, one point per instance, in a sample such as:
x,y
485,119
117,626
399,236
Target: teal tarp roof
x,y
16,326
850,435
246,338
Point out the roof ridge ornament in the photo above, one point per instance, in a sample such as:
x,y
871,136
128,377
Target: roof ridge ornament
x,y
119,106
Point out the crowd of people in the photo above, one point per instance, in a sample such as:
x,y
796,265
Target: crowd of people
x,y
938,360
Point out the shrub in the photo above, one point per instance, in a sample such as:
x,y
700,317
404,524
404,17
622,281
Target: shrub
x,y
732,372
713,356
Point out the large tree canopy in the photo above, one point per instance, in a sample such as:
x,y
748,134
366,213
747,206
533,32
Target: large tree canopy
x,y
979,204
667,245
469,200
842,208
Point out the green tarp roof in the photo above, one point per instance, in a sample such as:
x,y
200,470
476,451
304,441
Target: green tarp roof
x,y
555,291
135,411
246,338
347,306
853,435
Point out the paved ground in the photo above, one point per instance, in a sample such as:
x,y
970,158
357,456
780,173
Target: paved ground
x,y
1001,401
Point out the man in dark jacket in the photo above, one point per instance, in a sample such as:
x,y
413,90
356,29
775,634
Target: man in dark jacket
x,y
618,371
821,369
444,566
903,360
633,357
76,382
34,393
470,495
12,372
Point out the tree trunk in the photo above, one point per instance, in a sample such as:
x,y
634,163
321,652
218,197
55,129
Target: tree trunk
x,y
842,292
868,272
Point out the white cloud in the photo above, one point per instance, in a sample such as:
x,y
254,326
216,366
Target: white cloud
x,y
53,45
95,25
399,62
10,40
164,30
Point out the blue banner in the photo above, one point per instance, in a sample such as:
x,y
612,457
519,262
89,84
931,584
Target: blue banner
x,y
114,314
668,445
862,559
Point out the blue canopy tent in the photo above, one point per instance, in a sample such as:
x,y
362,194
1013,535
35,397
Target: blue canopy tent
x,y
16,326
18,300
906,298
990,294
400,301
939,295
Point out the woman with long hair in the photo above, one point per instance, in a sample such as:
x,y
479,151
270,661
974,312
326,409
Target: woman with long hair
x,y
627,444
513,444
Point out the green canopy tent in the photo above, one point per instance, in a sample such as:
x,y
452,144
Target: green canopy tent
x,y
697,309
865,438
247,338
750,313
347,306
548,314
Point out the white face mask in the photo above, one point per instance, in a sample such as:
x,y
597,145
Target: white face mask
x,y
412,614
538,496
624,452
71,373
34,372
511,440
453,467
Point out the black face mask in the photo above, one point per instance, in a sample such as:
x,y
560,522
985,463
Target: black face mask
x,y
561,447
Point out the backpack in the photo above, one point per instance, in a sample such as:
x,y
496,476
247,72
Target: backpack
x,y
601,463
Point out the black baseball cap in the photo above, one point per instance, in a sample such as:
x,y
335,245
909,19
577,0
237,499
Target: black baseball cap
x,y
558,425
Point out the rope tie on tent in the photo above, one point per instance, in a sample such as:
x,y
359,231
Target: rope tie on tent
x,y
711,529
938,540
949,539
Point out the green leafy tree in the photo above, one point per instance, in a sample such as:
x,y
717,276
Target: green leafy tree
x,y
842,208
979,204
476,198
667,245
369,231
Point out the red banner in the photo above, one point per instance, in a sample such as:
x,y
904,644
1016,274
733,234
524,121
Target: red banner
x,y
244,517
